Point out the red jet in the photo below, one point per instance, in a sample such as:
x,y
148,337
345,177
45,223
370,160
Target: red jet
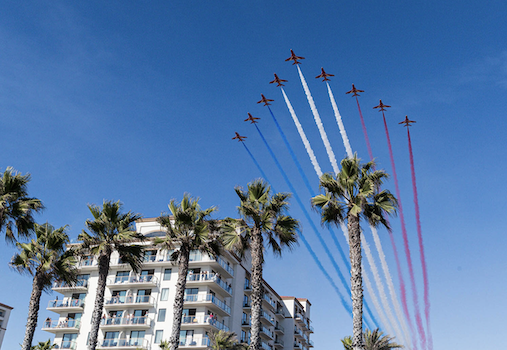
x,y
294,58
239,137
407,122
381,106
324,75
278,81
354,91
252,119
265,100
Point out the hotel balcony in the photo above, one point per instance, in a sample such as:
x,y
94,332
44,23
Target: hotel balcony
x,y
62,287
123,344
65,345
310,343
266,346
66,305
310,329
202,321
279,312
129,301
209,278
297,346
246,324
137,322
267,319
271,305
194,343
298,333
279,329
209,300
279,343
198,259
247,306
88,263
266,333
133,281
69,326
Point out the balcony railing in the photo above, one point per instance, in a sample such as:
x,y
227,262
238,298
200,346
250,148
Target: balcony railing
x,y
90,261
279,327
210,277
64,325
125,321
78,284
267,317
139,299
208,297
124,343
265,346
66,345
270,302
267,331
224,264
206,320
310,343
141,279
65,303
195,342
279,342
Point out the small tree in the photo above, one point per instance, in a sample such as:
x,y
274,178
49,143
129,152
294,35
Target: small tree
x,y
44,345
223,340
373,341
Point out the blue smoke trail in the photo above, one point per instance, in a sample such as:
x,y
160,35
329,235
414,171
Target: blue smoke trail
x,y
307,215
257,164
312,193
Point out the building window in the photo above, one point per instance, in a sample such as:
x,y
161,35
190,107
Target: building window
x,y
246,302
161,315
167,274
164,295
158,336
122,277
2,313
136,338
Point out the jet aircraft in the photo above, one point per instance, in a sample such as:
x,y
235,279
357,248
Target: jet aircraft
x,y
265,100
252,119
239,137
354,91
294,58
324,75
381,106
278,81
407,122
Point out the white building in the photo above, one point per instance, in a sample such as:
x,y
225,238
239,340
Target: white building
x,y
5,312
138,308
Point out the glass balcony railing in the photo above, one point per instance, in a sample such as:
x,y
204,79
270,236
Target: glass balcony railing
x,y
227,267
89,261
270,302
267,317
66,303
204,319
195,342
267,331
279,327
266,346
78,284
279,341
208,297
125,321
210,277
65,324
138,299
134,343
66,345
132,279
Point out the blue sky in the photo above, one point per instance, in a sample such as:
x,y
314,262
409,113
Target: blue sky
x,y
138,101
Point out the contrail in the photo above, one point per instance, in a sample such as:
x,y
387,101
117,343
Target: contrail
x,y
318,121
302,134
405,241
256,163
380,251
307,215
339,121
421,245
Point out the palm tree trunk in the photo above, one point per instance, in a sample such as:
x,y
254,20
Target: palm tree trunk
x,y
33,312
257,288
104,261
356,281
183,259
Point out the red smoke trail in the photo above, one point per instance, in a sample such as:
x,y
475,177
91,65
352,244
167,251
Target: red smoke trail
x,y
364,131
405,241
421,246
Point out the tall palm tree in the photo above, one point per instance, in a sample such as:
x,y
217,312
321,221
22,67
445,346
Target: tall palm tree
x,y
16,208
110,230
354,194
187,228
223,340
373,341
47,260
263,217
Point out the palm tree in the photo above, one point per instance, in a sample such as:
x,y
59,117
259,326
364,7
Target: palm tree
x,y
223,340
187,228
16,208
47,260
263,217
352,194
164,345
44,345
373,341
110,230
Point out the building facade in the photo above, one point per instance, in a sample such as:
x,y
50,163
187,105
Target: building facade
x,y
5,312
138,308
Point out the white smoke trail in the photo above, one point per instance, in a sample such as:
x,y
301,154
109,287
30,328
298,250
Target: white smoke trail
x,y
318,121
380,288
390,286
340,122
302,134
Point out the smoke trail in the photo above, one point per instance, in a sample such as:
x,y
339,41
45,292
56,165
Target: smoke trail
x,y
380,287
307,215
340,122
421,245
310,190
318,121
302,134
256,163
383,262
418,320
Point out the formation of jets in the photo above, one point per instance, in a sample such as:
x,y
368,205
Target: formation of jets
x,y
294,58
381,106
407,122
239,137
265,100
278,81
354,91
252,119
324,75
